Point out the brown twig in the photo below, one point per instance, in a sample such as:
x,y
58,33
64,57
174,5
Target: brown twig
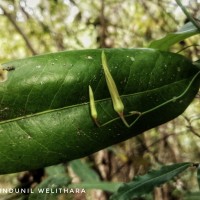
x,y
190,127
19,30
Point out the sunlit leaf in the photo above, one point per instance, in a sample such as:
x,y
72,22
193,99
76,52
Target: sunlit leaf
x,y
170,39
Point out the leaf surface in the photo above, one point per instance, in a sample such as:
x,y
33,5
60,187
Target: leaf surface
x,y
44,104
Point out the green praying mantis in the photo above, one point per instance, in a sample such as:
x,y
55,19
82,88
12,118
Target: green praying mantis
x,y
117,101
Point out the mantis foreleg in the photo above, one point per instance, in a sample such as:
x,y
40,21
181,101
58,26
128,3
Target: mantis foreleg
x,y
116,99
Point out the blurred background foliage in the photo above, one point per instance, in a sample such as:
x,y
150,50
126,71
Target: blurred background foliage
x,y
30,27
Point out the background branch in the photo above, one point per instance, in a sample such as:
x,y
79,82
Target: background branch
x,y
19,30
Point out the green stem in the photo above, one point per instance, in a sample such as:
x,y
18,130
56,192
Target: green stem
x,y
188,14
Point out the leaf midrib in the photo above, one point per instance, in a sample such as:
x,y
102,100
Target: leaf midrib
x,y
86,103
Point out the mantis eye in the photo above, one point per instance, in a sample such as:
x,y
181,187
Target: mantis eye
x,y
3,75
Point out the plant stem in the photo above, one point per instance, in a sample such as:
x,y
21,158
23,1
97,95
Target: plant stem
x,y
196,24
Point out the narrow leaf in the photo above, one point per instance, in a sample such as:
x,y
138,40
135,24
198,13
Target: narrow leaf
x,y
145,184
170,39
55,170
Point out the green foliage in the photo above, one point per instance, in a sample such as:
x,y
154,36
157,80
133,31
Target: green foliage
x,y
47,110
84,172
145,184
89,178
170,39
57,179
44,104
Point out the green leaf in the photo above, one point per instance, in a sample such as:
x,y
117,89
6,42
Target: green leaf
x,y
53,185
170,39
84,172
142,185
55,169
44,111
105,186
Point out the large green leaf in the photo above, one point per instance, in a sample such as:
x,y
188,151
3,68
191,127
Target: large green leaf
x,y
170,39
45,117
142,185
